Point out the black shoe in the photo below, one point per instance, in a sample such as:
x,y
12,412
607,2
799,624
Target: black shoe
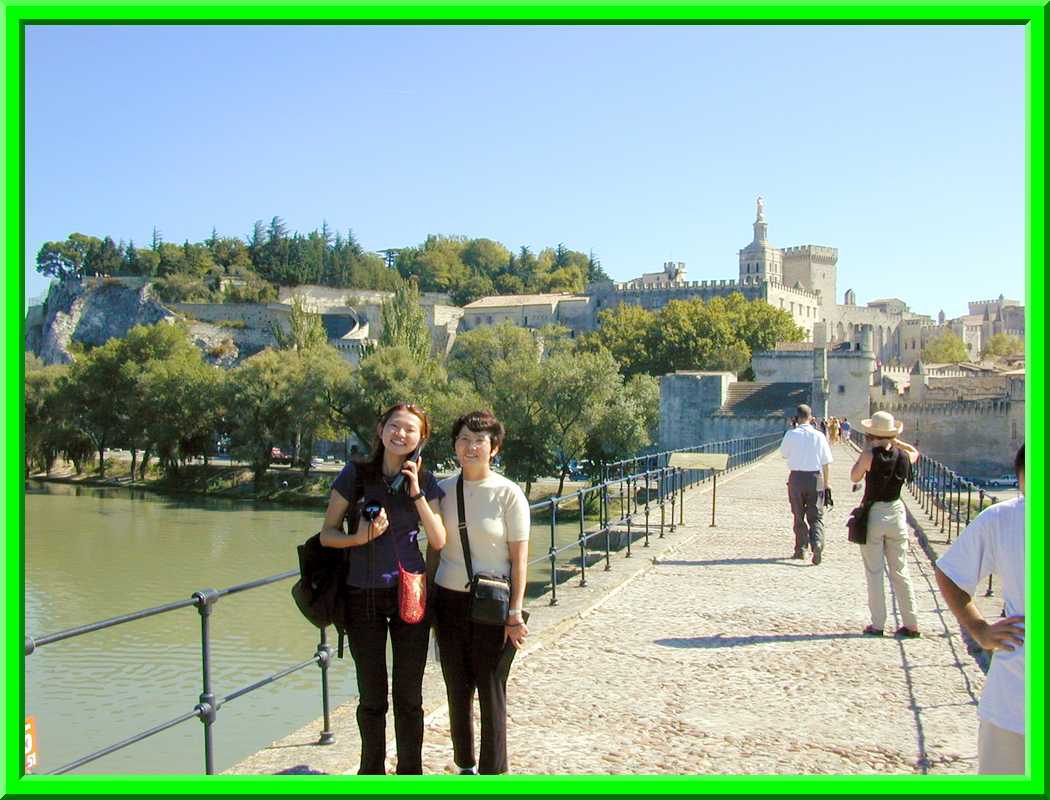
x,y
871,630
816,555
798,554
906,633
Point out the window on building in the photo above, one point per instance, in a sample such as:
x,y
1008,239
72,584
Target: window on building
x,y
842,389
526,320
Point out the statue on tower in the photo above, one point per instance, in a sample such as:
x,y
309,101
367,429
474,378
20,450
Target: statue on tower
x,y
761,204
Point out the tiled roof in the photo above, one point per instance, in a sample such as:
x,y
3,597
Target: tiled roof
x,y
499,301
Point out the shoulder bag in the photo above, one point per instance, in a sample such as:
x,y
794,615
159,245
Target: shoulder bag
x,y
857,523
489,593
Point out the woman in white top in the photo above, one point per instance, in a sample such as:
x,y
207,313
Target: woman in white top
x,y
472,654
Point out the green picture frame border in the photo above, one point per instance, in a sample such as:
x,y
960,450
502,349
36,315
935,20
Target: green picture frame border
x,y
1032,15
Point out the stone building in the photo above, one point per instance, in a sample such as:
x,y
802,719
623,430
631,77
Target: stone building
x,y
530,311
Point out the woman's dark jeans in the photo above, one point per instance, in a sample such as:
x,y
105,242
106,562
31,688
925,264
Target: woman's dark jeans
x,y
367,629
470,654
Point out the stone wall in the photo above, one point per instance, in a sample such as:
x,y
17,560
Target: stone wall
x,y
251,314
717,429
975,438
849,377
687,399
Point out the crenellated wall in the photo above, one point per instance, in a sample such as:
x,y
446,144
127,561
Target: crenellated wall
x,y
976,438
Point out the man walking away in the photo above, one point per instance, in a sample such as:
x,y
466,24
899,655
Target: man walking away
x,y
994,544
808,455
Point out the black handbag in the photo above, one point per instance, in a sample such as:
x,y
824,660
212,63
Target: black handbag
x,y
857,524
489,593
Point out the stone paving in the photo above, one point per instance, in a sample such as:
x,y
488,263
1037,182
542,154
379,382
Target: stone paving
x,y
714,652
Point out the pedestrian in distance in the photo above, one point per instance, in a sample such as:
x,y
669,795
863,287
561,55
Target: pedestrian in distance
x,y
994,543
808,455
844,429
885,465
824,425
386,500
476,656
833,430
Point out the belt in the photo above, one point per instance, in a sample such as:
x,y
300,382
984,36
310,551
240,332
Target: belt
x,y
806,471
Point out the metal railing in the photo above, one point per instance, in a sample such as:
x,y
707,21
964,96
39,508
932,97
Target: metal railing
x,y
208,705
636,493
638,488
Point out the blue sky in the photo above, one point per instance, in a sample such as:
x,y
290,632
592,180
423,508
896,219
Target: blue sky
x,y
901,146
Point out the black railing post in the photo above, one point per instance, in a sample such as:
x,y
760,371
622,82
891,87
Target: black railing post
x,y
674,493
969,499
662,480
627,516
583,546
714,495
553,553
944,495
324,658
206,709
647,507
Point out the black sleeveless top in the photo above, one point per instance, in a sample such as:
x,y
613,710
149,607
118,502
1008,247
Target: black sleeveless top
x,y
890,468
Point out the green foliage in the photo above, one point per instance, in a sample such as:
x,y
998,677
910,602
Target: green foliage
x,y
720,334
945,349
305,330
177,287
1003,345
405,323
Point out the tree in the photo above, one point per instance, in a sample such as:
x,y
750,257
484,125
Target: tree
x,y
628,423
405,323
945,349
625,331
1003,345
98,389
574,390
477,353
305,330
259,408
46,431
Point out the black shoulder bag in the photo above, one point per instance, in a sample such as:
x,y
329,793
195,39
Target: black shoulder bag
x,y
857,523
489,594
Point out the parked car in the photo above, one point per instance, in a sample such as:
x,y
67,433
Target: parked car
x,y
1006,481
278,456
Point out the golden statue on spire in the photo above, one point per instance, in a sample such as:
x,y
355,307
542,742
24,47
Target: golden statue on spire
x,y
761,216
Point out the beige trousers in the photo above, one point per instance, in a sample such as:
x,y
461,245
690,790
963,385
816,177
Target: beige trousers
x,y
999,751
888,547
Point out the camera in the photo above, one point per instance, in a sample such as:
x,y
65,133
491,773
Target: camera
x,y
370,510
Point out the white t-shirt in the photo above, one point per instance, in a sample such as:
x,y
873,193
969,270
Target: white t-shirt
x,y
994,544
497,513
806,449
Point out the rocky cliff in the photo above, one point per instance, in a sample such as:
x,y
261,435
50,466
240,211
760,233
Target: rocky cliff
x,y
93,311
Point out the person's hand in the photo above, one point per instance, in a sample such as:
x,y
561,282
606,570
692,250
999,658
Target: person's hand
x,y
410,469
1003,634
375,528
515,631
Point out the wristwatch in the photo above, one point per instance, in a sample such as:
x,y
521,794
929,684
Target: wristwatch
x,y
415,497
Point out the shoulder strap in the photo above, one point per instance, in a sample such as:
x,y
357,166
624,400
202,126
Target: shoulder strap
x,y
460,507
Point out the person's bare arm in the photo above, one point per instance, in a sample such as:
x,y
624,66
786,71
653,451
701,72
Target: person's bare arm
x,y
332,534
516,630
860,466
913,453
1004,634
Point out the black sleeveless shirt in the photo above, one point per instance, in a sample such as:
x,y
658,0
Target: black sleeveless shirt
x,y
890,468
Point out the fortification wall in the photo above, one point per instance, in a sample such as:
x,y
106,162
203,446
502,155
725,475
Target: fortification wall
x,y
714,429
686,399
254,316
976,438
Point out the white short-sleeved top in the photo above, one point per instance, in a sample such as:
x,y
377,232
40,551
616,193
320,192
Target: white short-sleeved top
x,y
806,449
994,544
497,514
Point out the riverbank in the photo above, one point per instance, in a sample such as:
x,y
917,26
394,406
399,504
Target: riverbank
x,y
283,486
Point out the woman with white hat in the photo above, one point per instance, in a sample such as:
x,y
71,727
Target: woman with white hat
x,y
884,466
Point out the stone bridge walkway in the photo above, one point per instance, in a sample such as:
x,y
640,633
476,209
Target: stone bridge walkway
x,y
726,656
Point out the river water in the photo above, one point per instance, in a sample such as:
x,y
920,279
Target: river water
x,y
95,553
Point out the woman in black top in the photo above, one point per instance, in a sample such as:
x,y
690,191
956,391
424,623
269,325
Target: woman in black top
x,y
884,466
377,547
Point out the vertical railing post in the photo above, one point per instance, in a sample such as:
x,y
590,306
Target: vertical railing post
x,y
553,554
647,507
324,658
206,709
969,499
714,494
662,481
583,546
628,516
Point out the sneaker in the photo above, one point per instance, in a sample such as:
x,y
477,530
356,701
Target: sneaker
x,y
816,555
468,770
871,630
906,633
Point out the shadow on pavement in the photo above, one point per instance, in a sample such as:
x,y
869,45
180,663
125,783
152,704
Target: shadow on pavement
x,y
738,641
731,562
